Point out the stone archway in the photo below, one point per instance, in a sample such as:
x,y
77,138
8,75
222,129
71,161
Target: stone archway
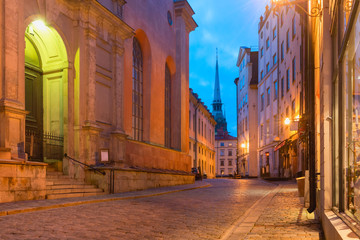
x,y
46,72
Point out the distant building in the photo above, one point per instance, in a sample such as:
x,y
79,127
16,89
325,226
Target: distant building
x,y
201,136
225,144
247,112
225,147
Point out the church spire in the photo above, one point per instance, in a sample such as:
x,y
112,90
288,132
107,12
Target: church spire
x,y
217,105
217,98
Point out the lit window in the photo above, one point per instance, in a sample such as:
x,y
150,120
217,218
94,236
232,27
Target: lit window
x,y
287,79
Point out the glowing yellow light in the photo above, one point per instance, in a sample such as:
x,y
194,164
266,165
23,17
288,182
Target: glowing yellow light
x,y
287,121
39,24
243,145
297,117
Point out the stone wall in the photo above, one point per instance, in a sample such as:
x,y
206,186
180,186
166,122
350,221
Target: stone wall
x,y
126,180
22,180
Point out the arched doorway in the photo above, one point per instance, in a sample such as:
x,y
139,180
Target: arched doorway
x,y
46,70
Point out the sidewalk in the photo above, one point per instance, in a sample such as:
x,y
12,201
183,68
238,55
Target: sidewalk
x,y
37,205
278,215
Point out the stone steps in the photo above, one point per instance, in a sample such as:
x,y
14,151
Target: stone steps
x,y
59,185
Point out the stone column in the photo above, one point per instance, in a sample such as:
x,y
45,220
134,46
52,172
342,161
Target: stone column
x,y
184,25
118,136
12,86
89,137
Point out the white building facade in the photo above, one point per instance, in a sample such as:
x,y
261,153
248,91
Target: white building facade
x,y
268,86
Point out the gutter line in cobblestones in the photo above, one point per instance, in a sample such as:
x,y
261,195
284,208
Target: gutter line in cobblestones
x,y
245,223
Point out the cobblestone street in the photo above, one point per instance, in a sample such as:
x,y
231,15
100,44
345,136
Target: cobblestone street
x,y
228,209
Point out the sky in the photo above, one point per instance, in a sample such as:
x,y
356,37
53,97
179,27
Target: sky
x,y
226,25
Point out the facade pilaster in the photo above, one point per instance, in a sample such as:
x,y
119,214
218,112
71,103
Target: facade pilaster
x,y
12,86
184,25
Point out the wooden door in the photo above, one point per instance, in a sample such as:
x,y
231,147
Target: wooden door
x,y
34,119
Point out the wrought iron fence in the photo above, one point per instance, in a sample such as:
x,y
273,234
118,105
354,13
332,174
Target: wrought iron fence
x,y
43,145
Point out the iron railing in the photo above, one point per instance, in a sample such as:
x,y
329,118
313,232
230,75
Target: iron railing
x,y
83,164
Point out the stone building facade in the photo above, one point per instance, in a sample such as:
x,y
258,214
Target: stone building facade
x,y
105,82
247,112
291,92
201,136
268,85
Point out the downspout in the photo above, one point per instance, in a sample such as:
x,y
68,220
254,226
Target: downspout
x,y
311,115
196,132
278,95
237,126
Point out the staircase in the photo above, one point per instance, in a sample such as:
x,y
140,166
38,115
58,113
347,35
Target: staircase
x,y
59,185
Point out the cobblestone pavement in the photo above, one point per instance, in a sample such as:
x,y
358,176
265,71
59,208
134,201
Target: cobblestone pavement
x,y
215,212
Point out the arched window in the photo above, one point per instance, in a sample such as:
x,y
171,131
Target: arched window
x,y
137,94
167,107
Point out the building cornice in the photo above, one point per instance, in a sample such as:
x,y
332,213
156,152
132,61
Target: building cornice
x,y
184,10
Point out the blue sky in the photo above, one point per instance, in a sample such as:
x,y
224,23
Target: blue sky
x,y
225,25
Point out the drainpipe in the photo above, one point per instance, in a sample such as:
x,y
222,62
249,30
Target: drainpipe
x,y
196,132
237,126
311,115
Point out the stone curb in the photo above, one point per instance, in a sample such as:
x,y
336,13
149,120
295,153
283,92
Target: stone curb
x,y
245,223
76,203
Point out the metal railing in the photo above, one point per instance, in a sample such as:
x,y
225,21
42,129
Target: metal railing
x,y
83,164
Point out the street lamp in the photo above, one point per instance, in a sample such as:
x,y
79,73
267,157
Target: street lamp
x,y
287,121
315,10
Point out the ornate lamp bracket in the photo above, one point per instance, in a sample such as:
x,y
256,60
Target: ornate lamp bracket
x,y
315,11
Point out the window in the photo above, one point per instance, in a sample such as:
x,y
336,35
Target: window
x,y
268,96
230,163
168,107
294,69
274,33
282,51
221,162
267,43
293,107
274,59
276,90
230,145
287,41
267,67
222,152
194,122
293,27
230,153
137,92
194,147
261,131
267,128
202,128
222,144
287,111
282,87
262,74
282,18
262,52
287,80
246,127
199,126
262,101
190,145
267,25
